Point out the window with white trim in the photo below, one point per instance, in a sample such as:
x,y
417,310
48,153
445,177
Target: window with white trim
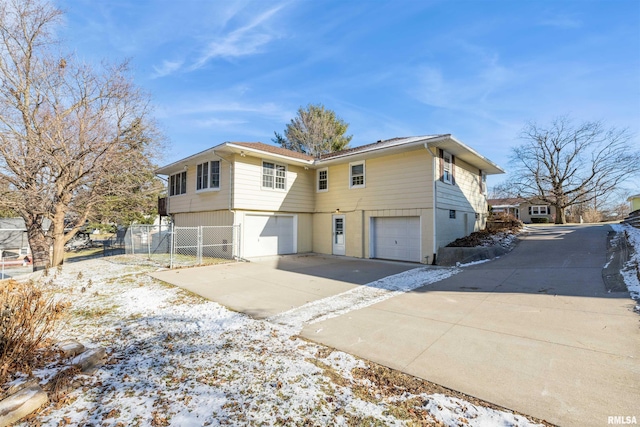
x,y
208,176
323,180
538,210
178,184
446,168
274,176
356,175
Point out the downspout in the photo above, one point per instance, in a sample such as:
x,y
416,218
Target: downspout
x,y
231,188
435,200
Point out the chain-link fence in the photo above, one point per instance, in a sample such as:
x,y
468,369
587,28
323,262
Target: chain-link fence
x,y
183,246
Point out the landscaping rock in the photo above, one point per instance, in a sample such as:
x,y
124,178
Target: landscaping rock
x,y
90,359
21,404
70,348
17,385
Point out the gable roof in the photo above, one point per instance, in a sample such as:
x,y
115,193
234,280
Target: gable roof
x,y
389,146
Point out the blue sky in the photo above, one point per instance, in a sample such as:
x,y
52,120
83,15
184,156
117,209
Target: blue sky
x,y
239,70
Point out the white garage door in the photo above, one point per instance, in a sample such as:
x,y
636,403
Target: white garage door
x,y
268,235
397,238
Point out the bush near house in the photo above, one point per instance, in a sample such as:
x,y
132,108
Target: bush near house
x,y
28,317
541,220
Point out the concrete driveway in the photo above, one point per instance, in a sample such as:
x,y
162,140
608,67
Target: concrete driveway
x,y
269,286
534,331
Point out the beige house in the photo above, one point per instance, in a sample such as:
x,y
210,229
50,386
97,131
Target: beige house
x,y
526,211
399,199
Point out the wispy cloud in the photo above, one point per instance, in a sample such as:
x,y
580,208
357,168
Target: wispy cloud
x,y
167,67
246,40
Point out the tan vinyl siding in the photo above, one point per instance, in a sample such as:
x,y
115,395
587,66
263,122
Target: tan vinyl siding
x,y
322,233
208,200
249,194
465,198
398,181
305,233
195,219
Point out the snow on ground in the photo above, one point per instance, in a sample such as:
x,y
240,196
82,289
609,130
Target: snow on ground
x,y
629,274
177,359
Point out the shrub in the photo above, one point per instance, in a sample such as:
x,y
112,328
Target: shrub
x,y
28,317
501,221
540,220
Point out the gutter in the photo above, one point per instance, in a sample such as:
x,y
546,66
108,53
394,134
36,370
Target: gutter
x,y
435,200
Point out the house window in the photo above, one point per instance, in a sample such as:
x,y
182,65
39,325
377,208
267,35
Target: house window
x,y
356,172
274,176
178,184
538,210
323,179
452,214
483,182
208,175
446,168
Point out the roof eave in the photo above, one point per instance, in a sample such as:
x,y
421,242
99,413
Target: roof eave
x,y
449,143
176,166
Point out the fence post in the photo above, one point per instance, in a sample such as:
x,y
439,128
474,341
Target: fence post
x,y
172,238
236,241
133,245
199,246
149,242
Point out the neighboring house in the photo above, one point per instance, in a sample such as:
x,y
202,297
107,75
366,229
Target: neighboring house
x,y
526,211
634,202
399,199
13,237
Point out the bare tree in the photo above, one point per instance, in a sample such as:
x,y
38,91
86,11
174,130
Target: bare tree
x,y
70,136
565,165
315,131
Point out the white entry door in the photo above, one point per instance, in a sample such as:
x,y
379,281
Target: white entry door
x,y
338,235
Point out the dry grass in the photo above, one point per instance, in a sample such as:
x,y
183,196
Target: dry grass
x,y
28,317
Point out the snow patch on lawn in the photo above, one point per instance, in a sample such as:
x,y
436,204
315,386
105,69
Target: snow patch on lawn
x,y
175,359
